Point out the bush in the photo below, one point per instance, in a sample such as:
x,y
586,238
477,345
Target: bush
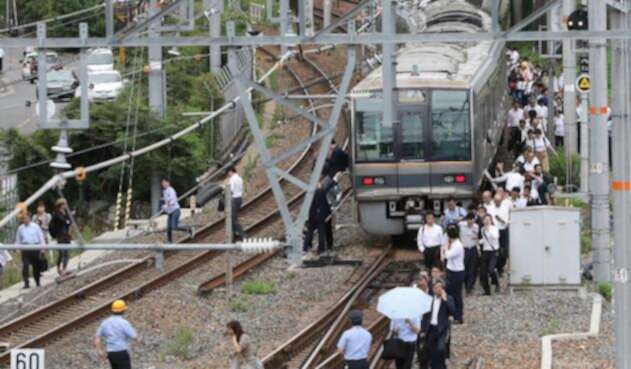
x,y
258,288
586,243
238,306
606,290
558,169
179,346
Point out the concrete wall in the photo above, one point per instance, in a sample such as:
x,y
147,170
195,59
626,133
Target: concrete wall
x,y
231,122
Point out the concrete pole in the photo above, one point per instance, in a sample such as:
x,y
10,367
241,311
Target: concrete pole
x,y
599,166
214,25
229,238
109,18
621,142
583,120
569,92
389,69
327,13
284,22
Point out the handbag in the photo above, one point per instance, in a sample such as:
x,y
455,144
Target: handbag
x,y
221,204
392,348
43,263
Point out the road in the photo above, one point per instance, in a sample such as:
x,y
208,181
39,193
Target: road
x,y
14,92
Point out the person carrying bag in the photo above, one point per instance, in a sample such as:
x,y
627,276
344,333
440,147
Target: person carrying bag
x,y
401,346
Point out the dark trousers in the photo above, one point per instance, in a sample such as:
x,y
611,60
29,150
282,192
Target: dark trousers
x,y
406,361
237,229
62,259
329,233
558,141
431,256
173,224
470,268
488,268
1,64
455,281
357,364
30,258
323,236
502,258
422,353
119,360
437,351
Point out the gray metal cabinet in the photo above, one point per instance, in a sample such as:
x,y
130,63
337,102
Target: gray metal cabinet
x,y
545,246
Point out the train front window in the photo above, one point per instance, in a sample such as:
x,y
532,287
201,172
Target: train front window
x,y
451,130
412,133
374,141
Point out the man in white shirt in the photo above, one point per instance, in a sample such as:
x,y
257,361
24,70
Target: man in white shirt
x,y
515,114
559,128
453,254
487,199
171,208
30,233
500,211
512,179
406,330
435,325
235,182
355,343
541,109
517,201
429,240
469,237
490,249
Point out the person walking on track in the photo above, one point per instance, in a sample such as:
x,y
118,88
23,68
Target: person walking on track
x,y
29,233
355,343
453,254
319,217
235,182
171,207
60,230
429,240
435,326
117,333
469,231
244,355
406,330
490,249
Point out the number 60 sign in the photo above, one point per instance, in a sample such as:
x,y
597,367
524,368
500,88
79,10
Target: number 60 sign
x,y
27,359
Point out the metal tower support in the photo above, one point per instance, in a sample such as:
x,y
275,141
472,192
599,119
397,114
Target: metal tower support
x,y
156,73
598,148
284,22
109,19
621,142
214,9
389,69
569,93
293,228
327,14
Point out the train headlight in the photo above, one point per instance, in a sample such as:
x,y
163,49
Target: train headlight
x,y
458,178
461,178
449,179
373,181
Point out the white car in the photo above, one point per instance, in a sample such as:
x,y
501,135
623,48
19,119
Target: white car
x,y
103,86
100,60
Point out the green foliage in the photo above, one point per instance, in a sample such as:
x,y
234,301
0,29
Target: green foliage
x,y
238,306
279,115
179,346
290,275
258,288
527,50
586,243
12,272
606,290
558,169
578,203
248,169
552,327
272,139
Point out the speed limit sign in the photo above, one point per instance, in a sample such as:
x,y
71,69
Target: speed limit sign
x,y
27,359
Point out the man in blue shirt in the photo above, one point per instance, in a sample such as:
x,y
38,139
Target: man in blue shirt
x,y
355,343
171,207
117,334
453,213
29,233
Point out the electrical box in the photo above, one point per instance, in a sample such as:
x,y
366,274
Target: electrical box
x,y
545,246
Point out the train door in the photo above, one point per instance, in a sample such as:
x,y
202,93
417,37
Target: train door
x,y
411,144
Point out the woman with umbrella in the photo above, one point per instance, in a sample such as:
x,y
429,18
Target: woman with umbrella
x,y
453,255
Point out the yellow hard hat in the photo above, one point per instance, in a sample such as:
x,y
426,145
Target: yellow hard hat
x,y
119,306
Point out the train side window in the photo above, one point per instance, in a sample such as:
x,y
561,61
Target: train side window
x,y
374,142
451,131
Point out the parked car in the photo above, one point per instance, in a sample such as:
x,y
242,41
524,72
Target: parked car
x,y
100,60
103,86
60,84
29,65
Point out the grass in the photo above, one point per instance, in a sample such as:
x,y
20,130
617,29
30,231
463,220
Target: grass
x,y
272,139
279,115
249,167
258,288
12,272
179,346
290,275
606,290
238,306
586,243
552,327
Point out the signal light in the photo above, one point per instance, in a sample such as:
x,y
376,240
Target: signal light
x,y
460,178
578,21
368,181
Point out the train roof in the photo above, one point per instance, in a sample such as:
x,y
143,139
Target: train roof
x,y
437,65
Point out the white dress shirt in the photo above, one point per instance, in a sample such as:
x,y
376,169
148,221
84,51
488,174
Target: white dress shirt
x,y
490,239
30,234
559,125
170,200
514,116
530,166
520,202
502,211
236,186
541,144
429,236
403,329
455,256
468,235
355,343
435,310
512,179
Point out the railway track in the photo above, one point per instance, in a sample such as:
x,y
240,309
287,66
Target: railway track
x,y
314,346
87,304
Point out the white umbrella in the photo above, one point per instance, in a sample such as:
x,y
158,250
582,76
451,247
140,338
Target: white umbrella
x,y
404,303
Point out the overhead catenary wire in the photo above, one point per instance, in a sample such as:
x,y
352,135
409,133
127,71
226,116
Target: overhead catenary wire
x,y
62,177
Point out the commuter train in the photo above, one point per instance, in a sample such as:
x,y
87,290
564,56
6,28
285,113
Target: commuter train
x,y
450,104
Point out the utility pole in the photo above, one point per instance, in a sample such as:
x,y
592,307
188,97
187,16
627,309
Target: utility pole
x,y
214,8
621,142
599,163
569,92
284,22
389,70
109,19
156,93
327,13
